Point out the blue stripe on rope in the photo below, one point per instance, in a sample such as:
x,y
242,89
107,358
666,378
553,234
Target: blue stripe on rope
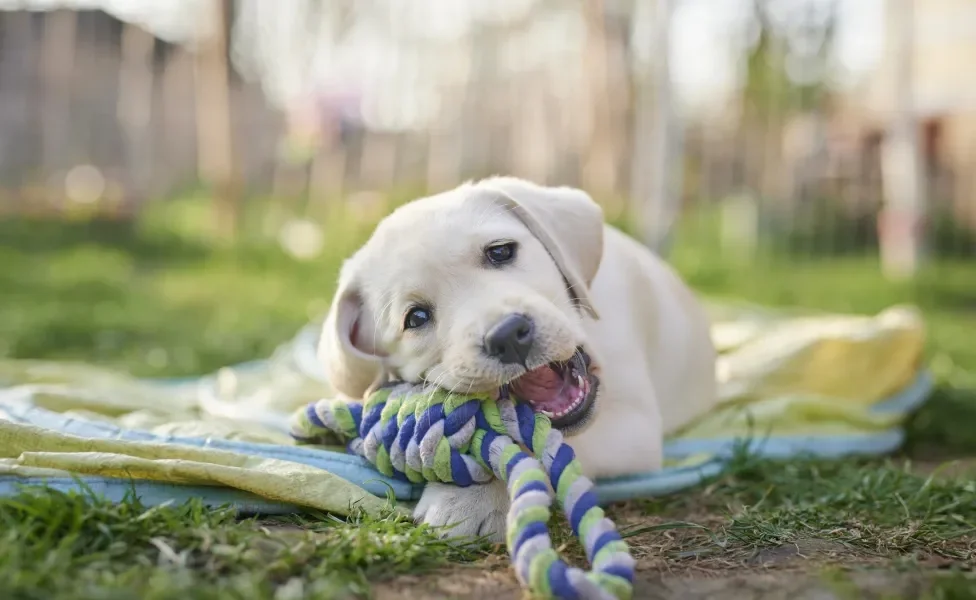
x,y
605,538
563,457
619,571
356,410
389,434
490,436
532,486
372,418
481,421
559,582
526,422
313,416
427,419
531,530
406,431
519,457
459,416
586,501
459,470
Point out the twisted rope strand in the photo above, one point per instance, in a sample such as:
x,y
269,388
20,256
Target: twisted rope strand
x,y
417,434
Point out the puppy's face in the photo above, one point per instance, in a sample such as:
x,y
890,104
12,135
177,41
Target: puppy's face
x,y
460,291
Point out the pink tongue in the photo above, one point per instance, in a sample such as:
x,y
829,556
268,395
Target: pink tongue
x,y
541,386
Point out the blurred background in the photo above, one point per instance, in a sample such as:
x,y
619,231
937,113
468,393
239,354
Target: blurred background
x,y
180,179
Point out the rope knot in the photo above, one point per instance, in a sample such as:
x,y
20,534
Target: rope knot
x,y
418,434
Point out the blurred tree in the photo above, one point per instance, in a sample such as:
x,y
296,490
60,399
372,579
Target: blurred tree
x,y
215,154
134,109
57,58
786,74
607,73
788,62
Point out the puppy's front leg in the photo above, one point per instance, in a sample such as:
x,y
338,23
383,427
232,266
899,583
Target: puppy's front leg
x,y
476,510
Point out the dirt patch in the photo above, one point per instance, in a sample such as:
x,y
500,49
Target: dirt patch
x,y
790,571
823,551
492,584
789,586
729,539
963,467
489,579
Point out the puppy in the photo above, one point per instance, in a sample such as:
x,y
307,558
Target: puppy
x,y
506,283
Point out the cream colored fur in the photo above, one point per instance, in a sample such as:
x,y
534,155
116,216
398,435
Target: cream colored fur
x,y
581,281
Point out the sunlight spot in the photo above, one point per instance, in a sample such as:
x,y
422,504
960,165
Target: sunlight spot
x,y
302,239
84,184
157,358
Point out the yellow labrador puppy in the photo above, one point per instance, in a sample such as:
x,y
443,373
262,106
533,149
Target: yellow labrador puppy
x,y
504,284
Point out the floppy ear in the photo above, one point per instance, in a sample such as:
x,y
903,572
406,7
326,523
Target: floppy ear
x,y
346,345
567,222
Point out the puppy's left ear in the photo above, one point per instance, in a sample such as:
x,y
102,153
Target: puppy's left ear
x,y
567,222
352,363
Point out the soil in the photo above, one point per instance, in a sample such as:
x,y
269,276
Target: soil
x,y
811,569
808,570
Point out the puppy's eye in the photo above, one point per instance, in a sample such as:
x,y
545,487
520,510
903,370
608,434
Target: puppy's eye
x,y
418,316
499,254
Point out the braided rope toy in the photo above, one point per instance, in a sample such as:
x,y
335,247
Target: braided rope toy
x,y
419,434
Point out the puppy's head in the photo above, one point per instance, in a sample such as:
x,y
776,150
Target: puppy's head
x,y
479,289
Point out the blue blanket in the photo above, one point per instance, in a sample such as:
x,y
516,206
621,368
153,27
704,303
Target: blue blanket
x,y
776,403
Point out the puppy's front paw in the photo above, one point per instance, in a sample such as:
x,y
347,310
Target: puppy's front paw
x,y
477,510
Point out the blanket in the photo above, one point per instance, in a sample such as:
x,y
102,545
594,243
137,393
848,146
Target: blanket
x,y
790,384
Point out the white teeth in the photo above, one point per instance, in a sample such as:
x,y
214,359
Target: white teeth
x,y
578,397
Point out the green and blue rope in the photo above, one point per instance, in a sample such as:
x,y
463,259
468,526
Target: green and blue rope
x,y
419,434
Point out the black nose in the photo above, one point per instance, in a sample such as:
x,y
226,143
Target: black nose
x,y
510,339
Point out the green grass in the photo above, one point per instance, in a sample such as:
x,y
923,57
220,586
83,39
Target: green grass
x,y
160,299
76,546
163,299
878,508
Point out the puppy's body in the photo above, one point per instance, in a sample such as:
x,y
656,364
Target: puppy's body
x,y
657,355
585,288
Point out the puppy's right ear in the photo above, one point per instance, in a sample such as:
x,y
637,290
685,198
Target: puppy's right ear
x,y
346,346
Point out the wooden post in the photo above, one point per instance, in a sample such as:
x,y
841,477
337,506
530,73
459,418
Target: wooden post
x,y
656,168
900,225
443,158
377,161
599,167
327,180
215,155
20,118
57,68
135,110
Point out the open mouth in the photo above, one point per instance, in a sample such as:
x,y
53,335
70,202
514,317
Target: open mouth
x,y
564,390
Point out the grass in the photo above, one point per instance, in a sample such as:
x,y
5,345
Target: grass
x,y
57,545
872,508
164,299
158,299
